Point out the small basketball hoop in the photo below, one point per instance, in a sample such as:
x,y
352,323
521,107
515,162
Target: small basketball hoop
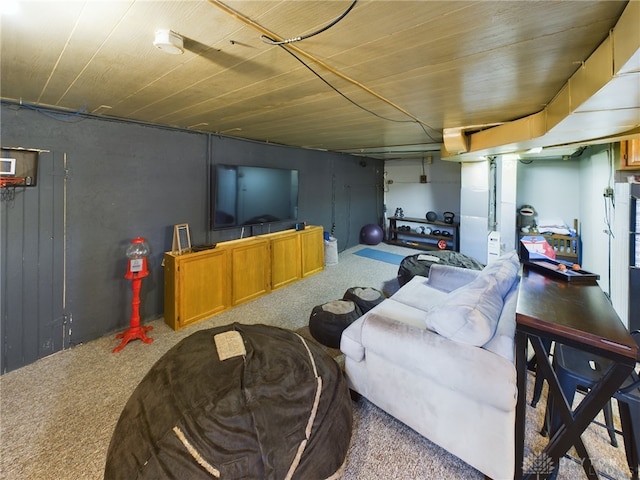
x,y
8,187
18,169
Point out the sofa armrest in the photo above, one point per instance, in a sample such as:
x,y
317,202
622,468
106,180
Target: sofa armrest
x,y
447,278
472,371
351,341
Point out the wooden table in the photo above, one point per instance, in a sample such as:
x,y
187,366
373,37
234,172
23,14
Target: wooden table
x,y
580,316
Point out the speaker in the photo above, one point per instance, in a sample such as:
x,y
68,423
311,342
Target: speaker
x,y
299,226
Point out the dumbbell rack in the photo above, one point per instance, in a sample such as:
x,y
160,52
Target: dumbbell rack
x,y
412,238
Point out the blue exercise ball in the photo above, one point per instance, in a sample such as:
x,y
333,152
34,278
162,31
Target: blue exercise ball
x,y
371,234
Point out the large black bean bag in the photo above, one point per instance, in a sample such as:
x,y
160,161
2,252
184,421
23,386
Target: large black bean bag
x,y
279,410
420,263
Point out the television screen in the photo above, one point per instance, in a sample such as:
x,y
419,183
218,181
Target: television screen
x,y
244,195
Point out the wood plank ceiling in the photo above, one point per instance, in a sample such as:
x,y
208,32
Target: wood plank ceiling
x,y
386,80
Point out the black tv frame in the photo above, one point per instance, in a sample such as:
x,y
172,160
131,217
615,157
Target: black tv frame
x,y
265,195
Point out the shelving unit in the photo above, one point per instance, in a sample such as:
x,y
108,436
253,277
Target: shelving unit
x,y
423,241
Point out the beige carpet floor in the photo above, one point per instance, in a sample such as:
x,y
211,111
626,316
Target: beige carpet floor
x,y
57,415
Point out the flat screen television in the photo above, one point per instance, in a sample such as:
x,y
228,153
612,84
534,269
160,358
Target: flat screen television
x,y
246,195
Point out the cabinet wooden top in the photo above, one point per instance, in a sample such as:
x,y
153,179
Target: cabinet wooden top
x,y
261,238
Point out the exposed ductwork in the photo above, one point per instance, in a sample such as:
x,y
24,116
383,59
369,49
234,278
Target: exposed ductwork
x,y
599,103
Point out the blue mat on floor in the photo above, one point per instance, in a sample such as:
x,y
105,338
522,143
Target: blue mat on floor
x,y
387,257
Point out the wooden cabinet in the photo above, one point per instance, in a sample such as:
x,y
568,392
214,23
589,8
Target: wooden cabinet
x,y
286,266
423,234
630,154
196,286
249,269
202,284
312,246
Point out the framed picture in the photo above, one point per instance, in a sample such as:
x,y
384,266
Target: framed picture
x,y
181,239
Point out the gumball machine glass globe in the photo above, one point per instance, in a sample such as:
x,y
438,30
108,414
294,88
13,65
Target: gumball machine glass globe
x,y
139,248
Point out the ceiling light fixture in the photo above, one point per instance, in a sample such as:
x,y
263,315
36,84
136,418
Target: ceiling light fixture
x,y
169,42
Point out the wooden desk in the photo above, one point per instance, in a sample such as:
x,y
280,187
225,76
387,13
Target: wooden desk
x,y
582,317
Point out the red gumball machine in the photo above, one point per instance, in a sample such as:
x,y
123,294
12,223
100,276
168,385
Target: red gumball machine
x,y
137,269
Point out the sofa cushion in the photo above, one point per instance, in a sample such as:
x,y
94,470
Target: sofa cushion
x,y
470,313
502,342
419,294
504,269
447,278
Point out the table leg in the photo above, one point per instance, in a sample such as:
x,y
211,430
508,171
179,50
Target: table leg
x,y
521,405
564,409
575,423
587,411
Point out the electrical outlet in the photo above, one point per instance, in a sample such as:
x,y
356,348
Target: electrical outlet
x,y
423,179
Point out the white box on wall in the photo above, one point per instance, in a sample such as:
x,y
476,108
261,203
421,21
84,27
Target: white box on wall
x,y
493,246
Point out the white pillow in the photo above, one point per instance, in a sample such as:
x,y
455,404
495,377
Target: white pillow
x,y
469,314
504,269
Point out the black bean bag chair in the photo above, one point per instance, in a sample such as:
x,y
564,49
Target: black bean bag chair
x,y
328,321
420,263
364,297
239,401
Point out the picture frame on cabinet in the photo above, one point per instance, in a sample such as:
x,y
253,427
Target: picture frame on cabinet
x,y
181,239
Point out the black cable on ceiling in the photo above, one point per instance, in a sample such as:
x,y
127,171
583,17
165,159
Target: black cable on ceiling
x,y
268,36
309,35
62,116
353,101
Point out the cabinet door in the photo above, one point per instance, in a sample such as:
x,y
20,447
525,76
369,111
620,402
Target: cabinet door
x,y
204,287
312,250
249,271
171,294
285,259
630,154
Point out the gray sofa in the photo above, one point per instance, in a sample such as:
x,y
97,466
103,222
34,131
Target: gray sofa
x,y
439,356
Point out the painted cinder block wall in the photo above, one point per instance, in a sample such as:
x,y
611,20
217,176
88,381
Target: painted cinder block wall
x,y
103,182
